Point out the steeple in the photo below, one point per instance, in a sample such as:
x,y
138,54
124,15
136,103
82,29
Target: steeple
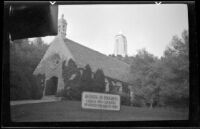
x,y
62,26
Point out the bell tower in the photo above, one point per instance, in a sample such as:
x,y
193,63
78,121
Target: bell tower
x,y
120,47
62,27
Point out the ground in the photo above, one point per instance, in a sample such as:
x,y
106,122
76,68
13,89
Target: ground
x,y
72,111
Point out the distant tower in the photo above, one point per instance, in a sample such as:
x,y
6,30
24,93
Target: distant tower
x,y
120,45
62,26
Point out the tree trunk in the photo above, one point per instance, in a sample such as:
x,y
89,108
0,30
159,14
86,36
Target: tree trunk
x,y
151,105
44,88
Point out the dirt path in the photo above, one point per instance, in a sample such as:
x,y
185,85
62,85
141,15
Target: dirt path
x,y
43,100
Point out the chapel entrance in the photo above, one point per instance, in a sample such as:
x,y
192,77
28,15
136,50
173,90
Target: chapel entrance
x,y
51,86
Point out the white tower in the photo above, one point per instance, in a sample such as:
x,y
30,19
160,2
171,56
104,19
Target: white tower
x,y
120,47
62,26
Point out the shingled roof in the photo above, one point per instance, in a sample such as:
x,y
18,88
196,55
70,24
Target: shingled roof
x,y
111,67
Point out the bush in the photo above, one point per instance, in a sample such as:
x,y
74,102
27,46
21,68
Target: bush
x,y
86,80
14,93
70,93
20,85
75,94
73,84
98,81
24,58
19,93
125,99
29,89
171,101
36,87
138,101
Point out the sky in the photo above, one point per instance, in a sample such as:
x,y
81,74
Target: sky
x,y
145,26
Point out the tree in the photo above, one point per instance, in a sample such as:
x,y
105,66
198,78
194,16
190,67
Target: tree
x,y
72,80
145,75
19,84
163,81
24,58
176,59
68,71
99,81
86,79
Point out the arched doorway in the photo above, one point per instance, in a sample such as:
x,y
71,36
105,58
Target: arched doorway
x,y
51,86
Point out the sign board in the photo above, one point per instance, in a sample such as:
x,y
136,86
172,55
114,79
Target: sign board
x,y
92,100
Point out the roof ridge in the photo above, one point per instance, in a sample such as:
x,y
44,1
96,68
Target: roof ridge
x,y
97,52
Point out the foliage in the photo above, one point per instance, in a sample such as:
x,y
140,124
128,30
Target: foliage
x,y
138,101
125,98
163,81
68,71
18,81
143,67
71,76
157,81
99,81
24,58
73,91
37,88
75,83
176,58
86,79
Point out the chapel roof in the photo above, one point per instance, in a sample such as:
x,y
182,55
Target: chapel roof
x,y
111,67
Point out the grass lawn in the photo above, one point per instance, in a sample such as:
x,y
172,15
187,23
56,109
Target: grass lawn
x,y
72,111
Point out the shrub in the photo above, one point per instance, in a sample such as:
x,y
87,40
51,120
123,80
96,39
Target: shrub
x,y
70,93
75,93
171,101
20,85
86,79
124,98
73,80
14,93
138,101
98,81
36,87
